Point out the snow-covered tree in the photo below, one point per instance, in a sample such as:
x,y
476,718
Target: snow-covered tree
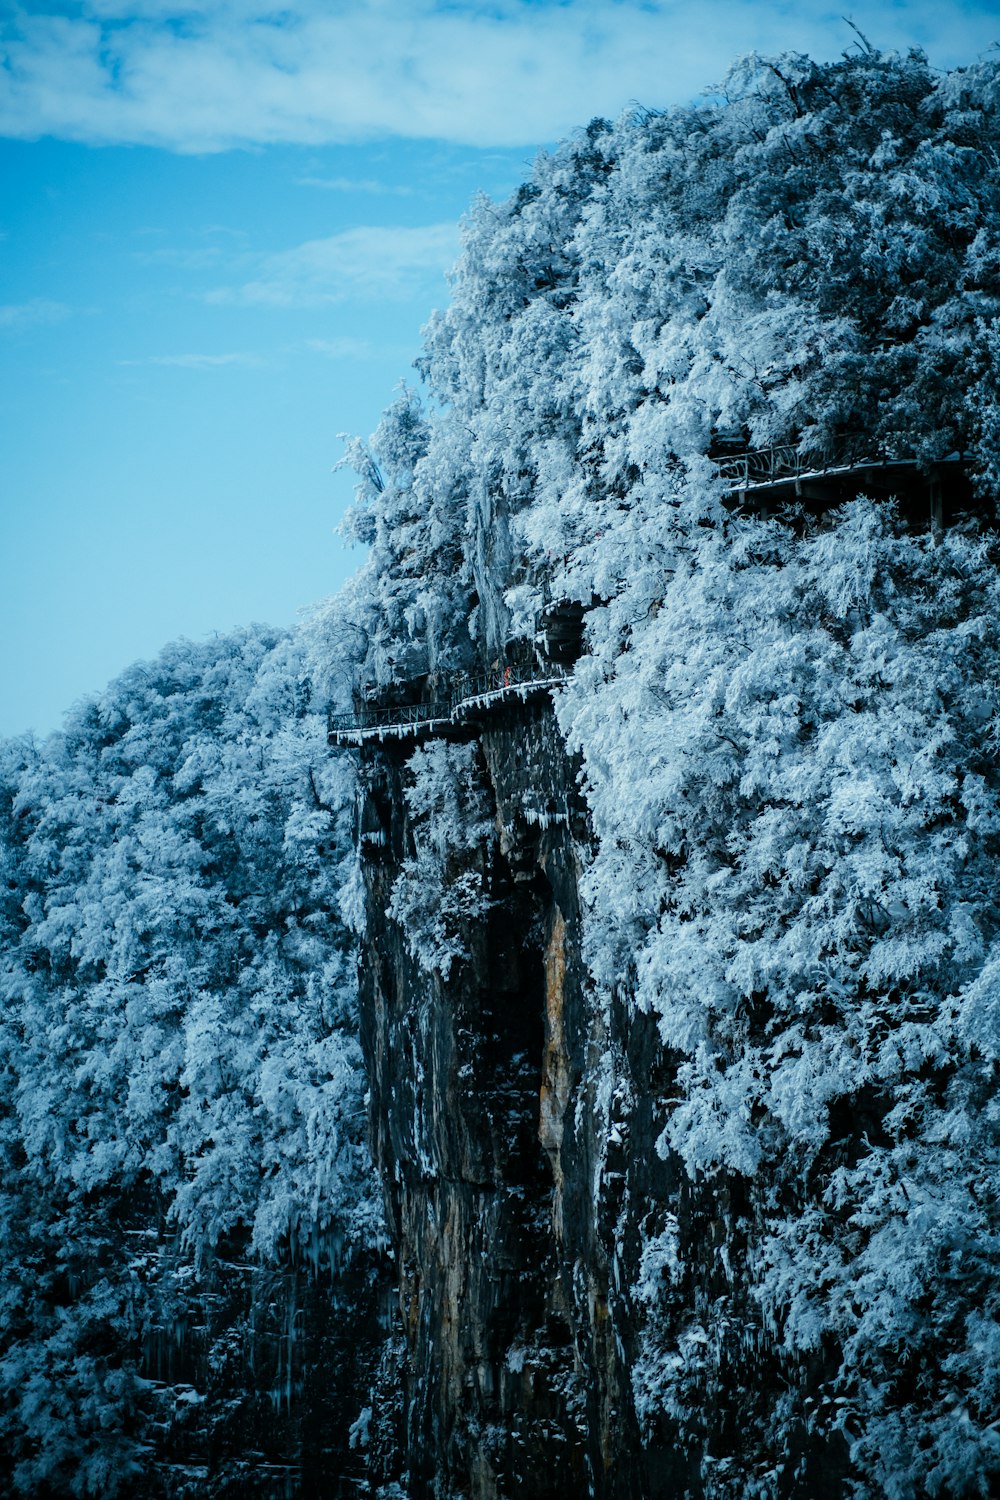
x,y
787,729
806,260
181,1081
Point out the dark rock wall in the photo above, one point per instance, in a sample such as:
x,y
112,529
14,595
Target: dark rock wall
x,y
252,1377
488,1131
457,1070
514,1121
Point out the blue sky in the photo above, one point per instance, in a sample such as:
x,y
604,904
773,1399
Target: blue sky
x,y
222,227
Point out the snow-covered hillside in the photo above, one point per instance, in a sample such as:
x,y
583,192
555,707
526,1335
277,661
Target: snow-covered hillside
x,y
679,1002
181,1081
787,729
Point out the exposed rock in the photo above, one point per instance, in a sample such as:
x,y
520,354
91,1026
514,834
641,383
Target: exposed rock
x,y
493,1396
550,1260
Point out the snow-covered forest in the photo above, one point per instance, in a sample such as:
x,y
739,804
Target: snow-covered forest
x,y
182,1089
788,729
787,733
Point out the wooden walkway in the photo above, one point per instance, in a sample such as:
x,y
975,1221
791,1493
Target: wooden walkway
x,y
783,471
467,696
783,463
754,477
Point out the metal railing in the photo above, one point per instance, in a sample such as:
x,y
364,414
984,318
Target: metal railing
x,y
467,692
374,718
785,461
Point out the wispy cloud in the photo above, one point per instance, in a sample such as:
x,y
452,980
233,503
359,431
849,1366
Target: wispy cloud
x,y
342,348
215,244
368,261
37,312
202,75
202,258
199,361
355,185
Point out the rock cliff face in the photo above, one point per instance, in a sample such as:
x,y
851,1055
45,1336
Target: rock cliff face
x,y
254,1382
471,1078
680,382
489,1103
549,1259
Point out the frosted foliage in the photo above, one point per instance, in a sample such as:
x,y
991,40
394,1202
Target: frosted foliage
x,y
440,892
793,778
788,734
788,740
812,260
415,578
657,1374
177,1044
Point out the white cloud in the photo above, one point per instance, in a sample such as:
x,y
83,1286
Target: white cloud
x,y
38,311
198,361
205,258
342,348
197,75
372,262
355,185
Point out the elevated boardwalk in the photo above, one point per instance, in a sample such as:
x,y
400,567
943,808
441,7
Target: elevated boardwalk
x,y
456,709
758,477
